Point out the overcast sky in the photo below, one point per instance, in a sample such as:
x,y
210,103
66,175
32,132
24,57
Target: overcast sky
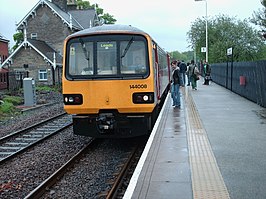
x,y
167,21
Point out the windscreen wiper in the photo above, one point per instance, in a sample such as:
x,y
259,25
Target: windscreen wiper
x,y
86,53
127,47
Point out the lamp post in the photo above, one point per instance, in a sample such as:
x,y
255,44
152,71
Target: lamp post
x,y
206,19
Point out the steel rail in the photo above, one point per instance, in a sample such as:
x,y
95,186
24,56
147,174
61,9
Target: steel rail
x,y
19,145
50,181
30,127
112,194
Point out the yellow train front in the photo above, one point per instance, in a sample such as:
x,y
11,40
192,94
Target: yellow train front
x,y
115,79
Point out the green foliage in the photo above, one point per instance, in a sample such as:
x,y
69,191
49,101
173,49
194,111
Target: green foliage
x,y
46,88
259,19
83,4
186,56
7,107
15,100
106,18
8,103
18,38
223,33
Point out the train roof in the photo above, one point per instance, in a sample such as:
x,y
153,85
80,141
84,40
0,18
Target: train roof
x,y
107,29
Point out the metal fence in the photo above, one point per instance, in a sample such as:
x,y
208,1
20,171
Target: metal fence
x,y
244,78
16,79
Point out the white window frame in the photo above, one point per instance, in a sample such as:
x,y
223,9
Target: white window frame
x,y
43,75
33,36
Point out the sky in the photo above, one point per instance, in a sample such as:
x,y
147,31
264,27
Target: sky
x,y
167,21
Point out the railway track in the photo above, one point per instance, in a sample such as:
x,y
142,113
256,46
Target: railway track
x,y
117,183
17,142
122,179
50,181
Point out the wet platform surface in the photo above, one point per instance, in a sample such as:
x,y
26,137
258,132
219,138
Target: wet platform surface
x,y
213,147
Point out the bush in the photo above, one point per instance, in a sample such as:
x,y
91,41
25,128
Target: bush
x,y
13,100
7,107
45,88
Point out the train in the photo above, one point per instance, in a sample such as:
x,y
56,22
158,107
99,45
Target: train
x,y
115,79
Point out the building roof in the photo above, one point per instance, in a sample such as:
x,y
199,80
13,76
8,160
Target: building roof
x,y
46,50
75,19
42,48
84,17
2,38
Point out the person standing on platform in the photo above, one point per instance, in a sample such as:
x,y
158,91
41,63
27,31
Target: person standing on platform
x,y
175,85
183,69
194,75
173,67
188,73
207,73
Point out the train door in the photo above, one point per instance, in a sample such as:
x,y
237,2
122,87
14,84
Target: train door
x,y
156,70
169,67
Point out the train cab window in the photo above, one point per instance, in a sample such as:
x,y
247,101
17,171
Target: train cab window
x,y
106,58
133,57
81,58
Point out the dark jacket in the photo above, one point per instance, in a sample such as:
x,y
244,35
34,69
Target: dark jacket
x,y
176,78
183,67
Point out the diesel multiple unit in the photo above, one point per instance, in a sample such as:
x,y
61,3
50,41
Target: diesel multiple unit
x,y
115,79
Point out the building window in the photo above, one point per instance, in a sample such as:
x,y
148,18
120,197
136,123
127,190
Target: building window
x,y
18,75
43,75
33,35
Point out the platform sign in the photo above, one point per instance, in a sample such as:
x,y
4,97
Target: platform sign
x,y
229,51
203,49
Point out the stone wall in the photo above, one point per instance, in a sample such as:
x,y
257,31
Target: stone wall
x,y
49,28
34,62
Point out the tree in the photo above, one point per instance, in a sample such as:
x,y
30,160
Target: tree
x,y
18,38
105,18
175,55
225,32
259,19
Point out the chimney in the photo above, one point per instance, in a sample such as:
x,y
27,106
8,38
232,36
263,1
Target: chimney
x,y
61,4
71,5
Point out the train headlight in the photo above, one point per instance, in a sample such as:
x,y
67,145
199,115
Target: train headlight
x,y
73,99
143,98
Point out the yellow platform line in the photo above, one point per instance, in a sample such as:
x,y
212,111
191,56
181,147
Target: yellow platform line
x,y
207,181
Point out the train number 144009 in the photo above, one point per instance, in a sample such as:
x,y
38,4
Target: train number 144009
x,y
138,86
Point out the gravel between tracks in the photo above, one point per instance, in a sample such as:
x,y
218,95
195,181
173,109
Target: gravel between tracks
x,y
19,176
41,112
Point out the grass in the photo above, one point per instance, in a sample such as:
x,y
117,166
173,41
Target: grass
x,y
8,105
48,88
9,102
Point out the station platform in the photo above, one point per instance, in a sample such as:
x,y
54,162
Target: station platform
x,y
214,146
